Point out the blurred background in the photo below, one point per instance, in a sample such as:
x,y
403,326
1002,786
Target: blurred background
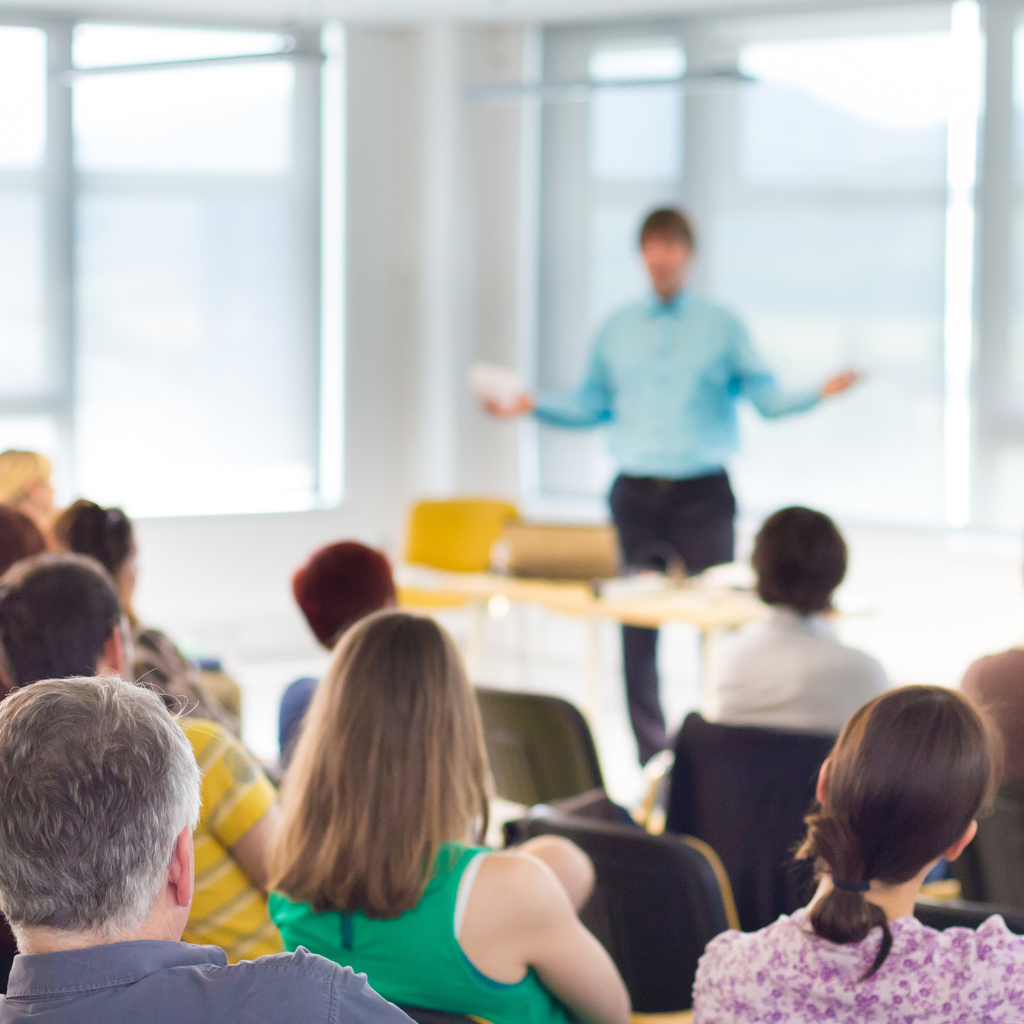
x,y
248,253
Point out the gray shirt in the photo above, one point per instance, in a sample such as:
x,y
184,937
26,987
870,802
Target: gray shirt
x,y
177,983
790,671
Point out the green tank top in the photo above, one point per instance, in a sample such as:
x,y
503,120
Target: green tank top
x,y
415,959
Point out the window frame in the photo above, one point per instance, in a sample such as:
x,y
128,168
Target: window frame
x,y
994,198
317,245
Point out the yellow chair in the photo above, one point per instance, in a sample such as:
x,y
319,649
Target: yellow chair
x,y
456,535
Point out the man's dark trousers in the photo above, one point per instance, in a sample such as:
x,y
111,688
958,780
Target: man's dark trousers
x,y
661,522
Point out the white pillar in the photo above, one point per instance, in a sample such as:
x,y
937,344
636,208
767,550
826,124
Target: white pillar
x,y
440,375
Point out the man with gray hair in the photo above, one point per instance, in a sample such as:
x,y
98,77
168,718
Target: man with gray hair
x,y
99,795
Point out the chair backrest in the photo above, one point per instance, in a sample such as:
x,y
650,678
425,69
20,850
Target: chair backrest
x,y
456,535
965,914
422,1016
991,869
540,747
8,951
656,904
745,792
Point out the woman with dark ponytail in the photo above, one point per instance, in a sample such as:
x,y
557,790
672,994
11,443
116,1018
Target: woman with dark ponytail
x,y
902,787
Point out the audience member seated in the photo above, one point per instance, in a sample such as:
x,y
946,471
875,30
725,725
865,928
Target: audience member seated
x,y
99,794
790,671
60,616
25,485
19,537
379,865
106,534
996,683
339,585
902,788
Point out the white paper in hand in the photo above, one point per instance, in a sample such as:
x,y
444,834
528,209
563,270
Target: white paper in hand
x,y
498,384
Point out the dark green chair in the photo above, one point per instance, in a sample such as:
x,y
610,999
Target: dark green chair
x,y
540,747
991,869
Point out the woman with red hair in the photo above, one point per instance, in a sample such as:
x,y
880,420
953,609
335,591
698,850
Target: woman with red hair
x,y
339,585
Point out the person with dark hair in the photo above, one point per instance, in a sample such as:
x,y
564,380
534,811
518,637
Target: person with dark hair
x,y
20,537
107,535
339,584
790,671
60,616
665,374
902,788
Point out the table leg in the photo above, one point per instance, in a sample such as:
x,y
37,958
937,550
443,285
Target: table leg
x,y
592,671
704,643
475,641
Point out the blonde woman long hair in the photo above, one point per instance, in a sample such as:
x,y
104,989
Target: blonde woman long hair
x,y
389,766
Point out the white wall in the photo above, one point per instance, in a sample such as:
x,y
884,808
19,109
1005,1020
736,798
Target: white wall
x,y
932,603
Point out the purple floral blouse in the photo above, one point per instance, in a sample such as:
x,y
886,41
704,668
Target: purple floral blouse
x,y
785,974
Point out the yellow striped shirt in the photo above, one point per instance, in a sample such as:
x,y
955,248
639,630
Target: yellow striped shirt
x,y
228,910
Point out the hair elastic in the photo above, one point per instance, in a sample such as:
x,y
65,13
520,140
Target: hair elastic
x,y
840,883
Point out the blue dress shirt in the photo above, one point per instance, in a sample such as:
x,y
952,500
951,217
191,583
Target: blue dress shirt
x,y
665,377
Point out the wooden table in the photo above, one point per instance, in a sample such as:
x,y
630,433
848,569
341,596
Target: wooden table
x,y
710,609
707,608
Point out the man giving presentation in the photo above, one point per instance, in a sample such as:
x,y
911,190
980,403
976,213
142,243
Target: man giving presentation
x,y
664,373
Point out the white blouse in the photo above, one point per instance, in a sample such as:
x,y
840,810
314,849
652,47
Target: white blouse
x,y
789,671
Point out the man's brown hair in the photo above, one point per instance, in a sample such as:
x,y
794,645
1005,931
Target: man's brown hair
x,y
390,765
669,224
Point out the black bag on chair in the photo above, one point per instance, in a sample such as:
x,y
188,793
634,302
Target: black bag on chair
x,y
745,792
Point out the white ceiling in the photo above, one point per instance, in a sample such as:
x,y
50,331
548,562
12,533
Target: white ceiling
x,y
386,11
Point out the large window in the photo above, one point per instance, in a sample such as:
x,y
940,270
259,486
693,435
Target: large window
x,y
160,263
830,171
999,487
28,361
827,233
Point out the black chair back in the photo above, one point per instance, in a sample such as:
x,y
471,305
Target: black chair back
x,y
745,792
8,951
540,747
991,869
965,914
438,1016
657,902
